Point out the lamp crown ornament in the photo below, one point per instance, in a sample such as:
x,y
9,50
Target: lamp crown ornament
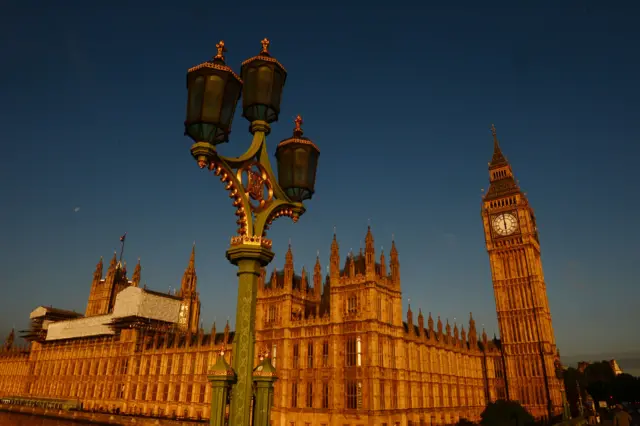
x,y
221,49
297,132
265,46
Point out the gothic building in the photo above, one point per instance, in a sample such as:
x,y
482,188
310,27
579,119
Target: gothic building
x,y
348,355
345,352
526,332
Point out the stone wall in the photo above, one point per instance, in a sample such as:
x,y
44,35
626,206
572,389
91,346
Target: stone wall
x,y
98,418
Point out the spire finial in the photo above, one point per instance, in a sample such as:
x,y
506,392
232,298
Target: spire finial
x,y
265,45
498,158
221,49
297,132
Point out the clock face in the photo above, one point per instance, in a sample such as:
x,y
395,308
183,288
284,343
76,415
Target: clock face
x,y
504,224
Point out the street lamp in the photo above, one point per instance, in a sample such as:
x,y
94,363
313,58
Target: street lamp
x,y
214,90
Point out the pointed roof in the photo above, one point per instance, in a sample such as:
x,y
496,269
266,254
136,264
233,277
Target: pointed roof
x,y
504,184
192,259
498,159
334,243
136,274
369,237
289,256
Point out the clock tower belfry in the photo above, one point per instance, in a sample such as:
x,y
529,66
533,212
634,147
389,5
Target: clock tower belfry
x,y
524,319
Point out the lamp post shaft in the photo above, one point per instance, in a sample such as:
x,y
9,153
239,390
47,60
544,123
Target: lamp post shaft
x,y
249,260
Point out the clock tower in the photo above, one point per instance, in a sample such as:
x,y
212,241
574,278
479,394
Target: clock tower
x,y
526,332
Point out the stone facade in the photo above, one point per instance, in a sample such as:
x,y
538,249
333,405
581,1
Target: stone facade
x,y
348,354
345,352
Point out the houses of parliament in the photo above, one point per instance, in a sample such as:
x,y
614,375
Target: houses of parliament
x,y
345,351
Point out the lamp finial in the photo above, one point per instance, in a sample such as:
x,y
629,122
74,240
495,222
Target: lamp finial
x,y
298,130
221,50
265,45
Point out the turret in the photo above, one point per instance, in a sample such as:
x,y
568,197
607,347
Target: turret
x,y
190,304
383,264
135,280
351,265
334,262
226,333
430,325
317,278
8,343
420,323
189,278
410,320
304,285
288,270
97,274
473,338
113,266
394,265
212,342
370,260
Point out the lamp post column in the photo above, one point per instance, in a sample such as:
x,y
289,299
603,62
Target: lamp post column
x,y
249,255
221,377
264,376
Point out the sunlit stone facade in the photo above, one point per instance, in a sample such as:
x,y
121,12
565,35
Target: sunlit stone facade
x,y
346,353
344,350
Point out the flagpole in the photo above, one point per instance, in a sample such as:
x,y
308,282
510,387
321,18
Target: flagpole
x,y
122,240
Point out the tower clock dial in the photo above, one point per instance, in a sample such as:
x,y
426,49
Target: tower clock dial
x,y
504,224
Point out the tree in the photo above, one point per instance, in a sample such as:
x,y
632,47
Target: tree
x,y
465,422
506,413
626,388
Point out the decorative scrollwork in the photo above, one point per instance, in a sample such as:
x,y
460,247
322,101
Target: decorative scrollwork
x,y
257,186
234,193
251,184
283,211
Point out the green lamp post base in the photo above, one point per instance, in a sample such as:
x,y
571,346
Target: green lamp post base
x,y
250,254
264,376
221,376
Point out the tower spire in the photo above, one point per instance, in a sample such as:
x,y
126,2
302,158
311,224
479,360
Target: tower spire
x,y
501,176
498,159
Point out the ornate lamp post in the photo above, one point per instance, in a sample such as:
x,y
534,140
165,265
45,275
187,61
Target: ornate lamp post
x,y
214,90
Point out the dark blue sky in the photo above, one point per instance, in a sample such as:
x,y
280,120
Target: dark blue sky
x,y
399,101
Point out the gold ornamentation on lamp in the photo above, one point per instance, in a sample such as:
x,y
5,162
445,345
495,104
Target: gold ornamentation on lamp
x,y
221,50
265,46
240,240
257,185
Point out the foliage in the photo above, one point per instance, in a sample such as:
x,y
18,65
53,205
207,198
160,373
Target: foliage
x,y
506,413
600,382
465,422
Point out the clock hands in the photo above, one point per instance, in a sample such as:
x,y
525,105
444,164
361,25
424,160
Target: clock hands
x,y
504,220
